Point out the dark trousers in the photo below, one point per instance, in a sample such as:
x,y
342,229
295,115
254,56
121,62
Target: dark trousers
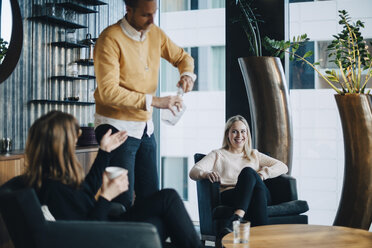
x,y
138,156
251,195
166,211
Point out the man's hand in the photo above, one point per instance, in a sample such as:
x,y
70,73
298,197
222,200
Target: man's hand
x,y
167,102
186,83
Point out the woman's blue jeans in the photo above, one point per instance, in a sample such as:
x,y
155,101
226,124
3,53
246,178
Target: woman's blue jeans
x,y
138,156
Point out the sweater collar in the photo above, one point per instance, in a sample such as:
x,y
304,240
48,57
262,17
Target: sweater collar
x,y
131,32
227,152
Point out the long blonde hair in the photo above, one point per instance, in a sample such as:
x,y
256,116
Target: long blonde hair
x,y
50,150
248,152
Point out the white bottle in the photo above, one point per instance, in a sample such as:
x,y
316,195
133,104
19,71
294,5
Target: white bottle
x,y
168,117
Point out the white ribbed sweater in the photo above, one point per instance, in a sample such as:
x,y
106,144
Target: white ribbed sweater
x,y
228,165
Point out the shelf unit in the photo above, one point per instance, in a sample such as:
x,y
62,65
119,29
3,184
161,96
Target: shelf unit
x,y
93,2
66,44
58,22
46,101
79,7
86,62
70,78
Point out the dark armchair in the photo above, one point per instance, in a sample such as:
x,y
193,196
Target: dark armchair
x,y
27,227
285,208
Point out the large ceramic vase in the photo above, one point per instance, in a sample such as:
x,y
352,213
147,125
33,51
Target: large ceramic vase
x,y
355,208
268,99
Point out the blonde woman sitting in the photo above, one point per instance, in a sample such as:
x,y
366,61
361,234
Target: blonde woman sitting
x,y
241,171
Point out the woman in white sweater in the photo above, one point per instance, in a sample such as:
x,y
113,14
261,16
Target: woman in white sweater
x,y
240,171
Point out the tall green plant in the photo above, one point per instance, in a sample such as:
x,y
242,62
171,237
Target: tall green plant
x,y
349,53
3,48
351,56
249,22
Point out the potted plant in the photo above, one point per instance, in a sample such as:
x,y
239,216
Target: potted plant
x,y
267,92
350,53
249,21
348,50
3,49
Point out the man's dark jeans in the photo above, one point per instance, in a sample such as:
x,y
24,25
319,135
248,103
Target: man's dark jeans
x,y
138,156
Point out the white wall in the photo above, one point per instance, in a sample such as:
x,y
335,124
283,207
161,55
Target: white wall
x,y
318,158
319,20
195,27
200,130
318,142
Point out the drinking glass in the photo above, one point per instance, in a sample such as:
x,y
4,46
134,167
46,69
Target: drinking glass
x,y
241,231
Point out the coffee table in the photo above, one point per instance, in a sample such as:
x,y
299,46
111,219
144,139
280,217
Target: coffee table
x,y
303,236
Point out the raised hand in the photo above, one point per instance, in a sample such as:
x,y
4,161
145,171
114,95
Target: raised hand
x,y
110,141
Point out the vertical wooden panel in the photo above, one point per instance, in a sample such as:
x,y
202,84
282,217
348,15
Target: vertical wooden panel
x,y
86,158
10,168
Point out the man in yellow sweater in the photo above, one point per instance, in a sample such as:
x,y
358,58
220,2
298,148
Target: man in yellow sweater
x,y
126,61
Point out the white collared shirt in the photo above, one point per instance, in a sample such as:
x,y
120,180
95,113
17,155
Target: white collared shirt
x,y
134,128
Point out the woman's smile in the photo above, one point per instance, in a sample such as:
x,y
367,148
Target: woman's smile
x,y
237,136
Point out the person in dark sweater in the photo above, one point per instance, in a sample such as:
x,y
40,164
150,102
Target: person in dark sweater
x,y
57,177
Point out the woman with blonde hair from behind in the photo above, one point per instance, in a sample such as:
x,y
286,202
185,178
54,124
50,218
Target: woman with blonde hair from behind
x,y
241,171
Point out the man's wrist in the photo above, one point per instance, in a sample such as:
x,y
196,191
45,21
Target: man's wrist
x,y
190,74
154,102
149,100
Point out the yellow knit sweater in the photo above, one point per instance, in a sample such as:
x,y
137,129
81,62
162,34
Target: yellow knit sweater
x,y
126,70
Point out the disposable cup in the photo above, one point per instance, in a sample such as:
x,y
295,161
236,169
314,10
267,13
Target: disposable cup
x,y
114,171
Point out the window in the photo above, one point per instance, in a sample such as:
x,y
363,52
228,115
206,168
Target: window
x,y
209,66
318,153
174,5
183,5
200,129
175,174
301,75
6,25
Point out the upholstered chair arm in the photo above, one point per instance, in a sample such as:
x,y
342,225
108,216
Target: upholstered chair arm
x,y
97,234
208,198
282,189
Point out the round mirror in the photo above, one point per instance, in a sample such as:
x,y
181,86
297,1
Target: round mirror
x,y
13,34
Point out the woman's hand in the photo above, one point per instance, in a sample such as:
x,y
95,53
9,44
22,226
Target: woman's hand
x,y
111,188
110,141
212,176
